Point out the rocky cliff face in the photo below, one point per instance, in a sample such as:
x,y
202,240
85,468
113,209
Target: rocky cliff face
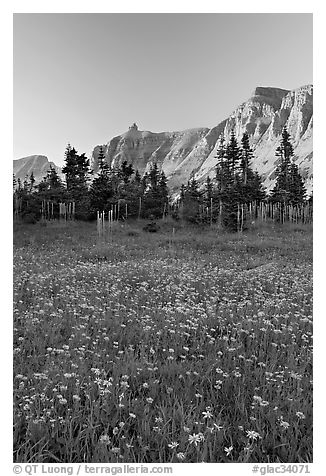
x,y
141,148
38,164
193,152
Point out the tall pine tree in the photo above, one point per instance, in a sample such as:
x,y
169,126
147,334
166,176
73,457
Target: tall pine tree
x,y
289,186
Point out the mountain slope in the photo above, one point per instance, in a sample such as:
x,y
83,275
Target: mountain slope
x,y
192,152
38,164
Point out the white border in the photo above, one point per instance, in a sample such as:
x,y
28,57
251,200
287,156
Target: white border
x,y
168,6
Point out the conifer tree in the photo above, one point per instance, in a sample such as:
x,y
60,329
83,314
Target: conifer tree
x,y
191,201
208,193
222,169
182,192
246,157
103,166
297,188
163,187
76,169
155,195
289,186
26,185
101,192
137,177
153,175
233,154
250,187
126,171
51,187
31,181
192,190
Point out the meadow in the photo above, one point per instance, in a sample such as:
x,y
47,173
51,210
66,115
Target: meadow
x,y
192,346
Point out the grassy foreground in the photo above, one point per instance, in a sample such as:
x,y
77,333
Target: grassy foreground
x,y
170,347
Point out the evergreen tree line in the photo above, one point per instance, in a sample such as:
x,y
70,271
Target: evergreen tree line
x,y
134,195
235,183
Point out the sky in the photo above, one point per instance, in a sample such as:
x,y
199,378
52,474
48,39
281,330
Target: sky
x,y
85,78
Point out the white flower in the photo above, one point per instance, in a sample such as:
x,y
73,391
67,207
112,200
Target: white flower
x,y
105,439
173,445
181,456
196,438
300,415
253,435
228,450
284,424
207,414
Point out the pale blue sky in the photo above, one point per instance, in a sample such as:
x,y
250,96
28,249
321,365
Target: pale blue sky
x,y
84,78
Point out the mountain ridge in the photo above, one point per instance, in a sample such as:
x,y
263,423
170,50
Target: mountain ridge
x,y
38,164
192,152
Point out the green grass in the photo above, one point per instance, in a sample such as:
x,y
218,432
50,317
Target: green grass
x,y
169,347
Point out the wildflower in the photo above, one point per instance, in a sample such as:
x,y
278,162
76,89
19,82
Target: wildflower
x,y
186,429
300,415
76,398
181,456
173,445
132,415
115,450
207,414
115,430
257,398
252,435
105,439
149,400
218,384
145,385
196,438
284,424
218,427
228,450
158,420
264,403
67,375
